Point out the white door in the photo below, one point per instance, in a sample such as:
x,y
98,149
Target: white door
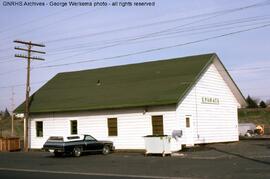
x,y
189,131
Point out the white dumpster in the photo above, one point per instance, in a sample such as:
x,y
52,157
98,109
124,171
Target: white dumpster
x,y
160,144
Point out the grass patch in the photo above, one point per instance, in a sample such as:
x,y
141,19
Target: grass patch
x,y
5,128
256,116
259,116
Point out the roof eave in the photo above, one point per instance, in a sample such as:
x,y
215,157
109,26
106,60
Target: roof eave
x,y
240,97
237,92
192,84
102,108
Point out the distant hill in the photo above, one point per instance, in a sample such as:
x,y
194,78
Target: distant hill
x,y
256,115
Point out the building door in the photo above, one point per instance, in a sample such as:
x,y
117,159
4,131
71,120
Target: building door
x,y
189,131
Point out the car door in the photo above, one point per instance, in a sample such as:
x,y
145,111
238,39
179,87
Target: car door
x,y
91,143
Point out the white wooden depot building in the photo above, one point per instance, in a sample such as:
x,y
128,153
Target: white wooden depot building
x,y
194,94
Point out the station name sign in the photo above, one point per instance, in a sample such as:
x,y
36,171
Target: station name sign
x,y
210,100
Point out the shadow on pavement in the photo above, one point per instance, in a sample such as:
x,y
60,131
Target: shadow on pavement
x,y
242,156
264,145
70,155
197,148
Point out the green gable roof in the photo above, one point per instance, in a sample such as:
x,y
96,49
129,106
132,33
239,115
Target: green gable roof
x,y
153,83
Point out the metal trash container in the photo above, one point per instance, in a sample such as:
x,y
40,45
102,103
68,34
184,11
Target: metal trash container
x,y
157,144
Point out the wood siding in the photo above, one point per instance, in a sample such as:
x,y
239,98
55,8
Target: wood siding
x,y
132,125
210,122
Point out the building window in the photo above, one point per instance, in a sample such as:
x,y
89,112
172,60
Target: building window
x,y
187,122
74,127
157,125
112,126
39,129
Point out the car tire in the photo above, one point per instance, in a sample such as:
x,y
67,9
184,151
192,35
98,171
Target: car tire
x,y
106,150
77,152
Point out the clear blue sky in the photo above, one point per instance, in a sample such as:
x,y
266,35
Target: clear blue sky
x,y
73,34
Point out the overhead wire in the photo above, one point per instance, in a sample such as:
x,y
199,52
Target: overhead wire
x,y
207,38
214,13
217,12
156,49
142,52
192,28
168,35
231,70
265,3
200,20
47,25
136,38
31,21
127,40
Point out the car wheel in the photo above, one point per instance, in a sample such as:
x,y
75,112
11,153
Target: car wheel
x,y
106,150
77,152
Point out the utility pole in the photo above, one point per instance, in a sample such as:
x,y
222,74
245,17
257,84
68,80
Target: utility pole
x,y
29,58
12,114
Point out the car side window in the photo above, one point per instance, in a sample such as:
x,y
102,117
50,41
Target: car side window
x,y
88,137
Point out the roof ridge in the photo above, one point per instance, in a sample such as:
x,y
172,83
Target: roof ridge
x,y
146,62
133,85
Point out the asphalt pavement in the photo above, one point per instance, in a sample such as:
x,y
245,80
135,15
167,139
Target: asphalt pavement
x,y
245,159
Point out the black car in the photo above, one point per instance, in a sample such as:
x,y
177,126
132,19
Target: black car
x,y
76,145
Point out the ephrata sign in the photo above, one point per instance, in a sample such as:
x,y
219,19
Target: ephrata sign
x,y
209,100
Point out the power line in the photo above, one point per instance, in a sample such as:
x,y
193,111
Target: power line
x,y
192,28
12,71
156,49
110,46
133,39
231,70
217,13
31,21
46,25
265,3
146,51
137,38
173,20
23,84
216,26
85,86
150,36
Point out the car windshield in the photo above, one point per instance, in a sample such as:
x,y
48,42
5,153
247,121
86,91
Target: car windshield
x,y
88,137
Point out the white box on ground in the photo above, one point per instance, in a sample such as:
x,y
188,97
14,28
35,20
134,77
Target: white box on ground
x,y
161,145
176,144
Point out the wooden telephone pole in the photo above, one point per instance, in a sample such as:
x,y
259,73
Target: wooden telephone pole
x,y
29,58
